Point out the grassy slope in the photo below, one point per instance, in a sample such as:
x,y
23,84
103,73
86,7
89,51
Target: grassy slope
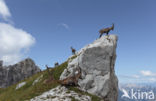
x,y
29,91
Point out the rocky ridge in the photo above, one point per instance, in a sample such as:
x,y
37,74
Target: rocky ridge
x,y
12,74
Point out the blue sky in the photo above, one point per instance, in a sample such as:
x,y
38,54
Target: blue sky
x,y
58,24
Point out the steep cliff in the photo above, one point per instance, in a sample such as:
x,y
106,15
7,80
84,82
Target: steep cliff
x,y
14,73
96,62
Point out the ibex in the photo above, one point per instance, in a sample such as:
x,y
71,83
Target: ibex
x,y
48,69
106,30
71,81
56,64
49,73
73,50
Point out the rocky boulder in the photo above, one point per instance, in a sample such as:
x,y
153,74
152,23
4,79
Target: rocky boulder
x,y
96,62
14,73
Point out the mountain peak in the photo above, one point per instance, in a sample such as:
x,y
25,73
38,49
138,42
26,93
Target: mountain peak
x,y
14,73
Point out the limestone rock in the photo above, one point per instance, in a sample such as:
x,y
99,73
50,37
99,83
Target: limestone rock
x,y
1,63
61,93
37,80
20,85
97,62
14,73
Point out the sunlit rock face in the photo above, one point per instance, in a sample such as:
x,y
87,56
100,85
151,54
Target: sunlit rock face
x,y
14,73
97,61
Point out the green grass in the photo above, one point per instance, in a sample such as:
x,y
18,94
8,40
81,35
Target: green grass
x,y
73,57
1,90
29,91
73,99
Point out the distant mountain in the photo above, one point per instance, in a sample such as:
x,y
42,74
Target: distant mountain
x,y
12,74
137,92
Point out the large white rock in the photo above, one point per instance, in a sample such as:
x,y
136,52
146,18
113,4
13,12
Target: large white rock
x,y
97,62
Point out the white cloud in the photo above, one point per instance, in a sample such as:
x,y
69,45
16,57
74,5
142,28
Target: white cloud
x,y
152,79
147,73
136,76
4,10
64,25
130,76
13,43
144,77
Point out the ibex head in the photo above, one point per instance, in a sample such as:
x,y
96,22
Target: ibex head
x,y
71,47
112,28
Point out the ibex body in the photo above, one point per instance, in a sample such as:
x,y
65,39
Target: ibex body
x,y
48,69
73,50
106,30
71,81
56,64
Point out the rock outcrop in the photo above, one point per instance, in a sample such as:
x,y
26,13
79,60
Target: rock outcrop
x,y
14,73
61,93
97,62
